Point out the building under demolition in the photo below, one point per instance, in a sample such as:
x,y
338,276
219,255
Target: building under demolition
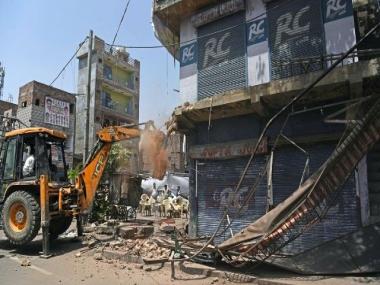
x,y
241,62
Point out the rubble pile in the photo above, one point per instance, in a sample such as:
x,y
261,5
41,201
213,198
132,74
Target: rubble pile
x,y
145,248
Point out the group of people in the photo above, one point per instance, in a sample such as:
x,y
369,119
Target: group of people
x,y
164,202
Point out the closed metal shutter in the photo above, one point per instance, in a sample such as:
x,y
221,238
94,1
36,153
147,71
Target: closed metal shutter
x,y
216,179
222,60
342,218
295,31
373,172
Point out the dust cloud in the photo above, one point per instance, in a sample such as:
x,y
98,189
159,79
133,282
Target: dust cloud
x,y
154,154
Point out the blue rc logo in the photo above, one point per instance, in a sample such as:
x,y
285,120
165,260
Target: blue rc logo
x,y
257,31
188,54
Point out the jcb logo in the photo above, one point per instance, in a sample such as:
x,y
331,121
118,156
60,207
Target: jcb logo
x,y
215,50
256,31
99,166
289,24
188,54
335,8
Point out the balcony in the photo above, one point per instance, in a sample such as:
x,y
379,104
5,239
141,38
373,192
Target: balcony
x,y
122,57
121,86
116,109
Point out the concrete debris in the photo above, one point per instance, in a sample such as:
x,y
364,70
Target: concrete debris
x,y
98,256
89,229
115,244
78,254
111,223
147,268
139,266
91,243
25,262
215,280
70,234
167,225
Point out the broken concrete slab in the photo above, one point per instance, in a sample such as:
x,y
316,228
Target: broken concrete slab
x,y
127,232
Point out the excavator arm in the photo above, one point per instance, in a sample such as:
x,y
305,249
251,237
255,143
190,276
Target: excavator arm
x,y
88,179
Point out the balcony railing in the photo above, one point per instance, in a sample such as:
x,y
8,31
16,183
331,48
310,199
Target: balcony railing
x,y
114,51
298,66
122,84
117,108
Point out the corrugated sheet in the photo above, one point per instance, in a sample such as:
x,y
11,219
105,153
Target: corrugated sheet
x,y
343,218
295,31
221,56
218,178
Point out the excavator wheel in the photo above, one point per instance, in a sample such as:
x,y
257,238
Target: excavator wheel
x,y
59,225
21,217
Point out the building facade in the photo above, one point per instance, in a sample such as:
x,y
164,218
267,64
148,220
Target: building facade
x,y
241,62
41,105
8,109
114,97
176,153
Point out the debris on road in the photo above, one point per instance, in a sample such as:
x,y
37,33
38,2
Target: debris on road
x,y
25,262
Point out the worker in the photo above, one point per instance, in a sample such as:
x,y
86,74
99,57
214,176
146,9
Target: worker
x,y
167,192
154,191
178,191
28,168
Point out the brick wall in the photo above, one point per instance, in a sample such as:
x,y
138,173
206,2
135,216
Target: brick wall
x,y
31,110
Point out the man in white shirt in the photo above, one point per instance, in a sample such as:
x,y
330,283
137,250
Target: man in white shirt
x,y
28,168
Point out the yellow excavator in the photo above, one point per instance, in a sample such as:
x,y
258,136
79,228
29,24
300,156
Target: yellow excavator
x,y
35,192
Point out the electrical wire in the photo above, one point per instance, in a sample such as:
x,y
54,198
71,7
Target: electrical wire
x,y
200,37
64,67
121,21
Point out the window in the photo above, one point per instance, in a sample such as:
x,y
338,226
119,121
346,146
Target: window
x,y
106,99
23,104
107,72
55,156
10,160
82,62
37,102
71,108
28,156
130,107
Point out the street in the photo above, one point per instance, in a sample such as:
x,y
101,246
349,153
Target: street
x,y
65,268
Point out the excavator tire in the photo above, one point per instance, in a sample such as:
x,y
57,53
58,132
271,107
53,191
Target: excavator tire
x,y
21,217
59,225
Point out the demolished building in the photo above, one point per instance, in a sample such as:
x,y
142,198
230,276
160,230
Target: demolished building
x,y
241,62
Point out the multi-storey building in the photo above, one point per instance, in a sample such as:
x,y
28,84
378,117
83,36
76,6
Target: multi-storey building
x,y
241,62
41,105
114,95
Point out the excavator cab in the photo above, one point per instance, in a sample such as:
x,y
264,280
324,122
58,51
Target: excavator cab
x,y
26,155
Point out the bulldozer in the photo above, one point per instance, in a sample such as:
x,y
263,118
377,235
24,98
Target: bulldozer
x,y
35,191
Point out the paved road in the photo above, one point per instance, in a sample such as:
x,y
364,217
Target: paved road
x,y
65,268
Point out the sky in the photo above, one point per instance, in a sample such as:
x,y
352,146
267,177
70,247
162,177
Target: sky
x,y
38,37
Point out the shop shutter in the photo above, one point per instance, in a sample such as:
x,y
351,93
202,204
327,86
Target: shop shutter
x,y
295,31
343,217
216,178
222,56
373,172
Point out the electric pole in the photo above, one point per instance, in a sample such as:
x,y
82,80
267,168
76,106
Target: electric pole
x,y
88,99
